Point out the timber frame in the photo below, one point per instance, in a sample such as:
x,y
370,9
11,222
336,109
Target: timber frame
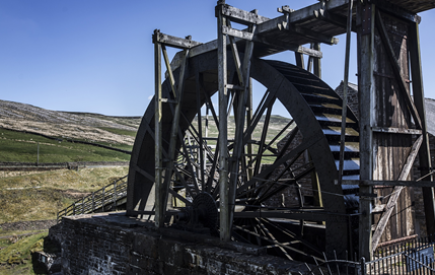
x,y
313,25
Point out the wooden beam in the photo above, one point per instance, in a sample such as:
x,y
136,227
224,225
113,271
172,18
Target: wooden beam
x,y
277,44
365,13
396,193
224,214
238,33
317,36
240,16
379,208
317,62
424,154
396,130
173,41
297,215
299,60
389,183
396,69
159,218
332,18
397,11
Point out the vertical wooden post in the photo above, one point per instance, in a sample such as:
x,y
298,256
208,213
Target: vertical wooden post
x,y
225,230
299,60
345,88
424,153
365,24
159,217
317,62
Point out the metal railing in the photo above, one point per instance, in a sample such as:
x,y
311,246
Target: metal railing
x,y
105,199
412,257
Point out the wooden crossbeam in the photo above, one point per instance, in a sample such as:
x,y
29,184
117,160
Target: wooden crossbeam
x,y
332,18
173,41
396,69
396,130
240,16
395,194
390,183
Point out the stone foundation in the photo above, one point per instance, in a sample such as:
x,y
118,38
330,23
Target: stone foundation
x,y
117,244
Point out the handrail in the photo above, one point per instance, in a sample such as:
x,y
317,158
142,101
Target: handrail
x,y
109,194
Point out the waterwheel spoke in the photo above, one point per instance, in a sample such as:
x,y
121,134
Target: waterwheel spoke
x,y
279,161
266,194
292,235
267,233
200,79
262,141
275,242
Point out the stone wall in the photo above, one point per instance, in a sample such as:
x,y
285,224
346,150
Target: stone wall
x,y
117,244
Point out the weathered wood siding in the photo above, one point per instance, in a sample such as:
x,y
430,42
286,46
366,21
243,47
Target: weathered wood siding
x,y
390,151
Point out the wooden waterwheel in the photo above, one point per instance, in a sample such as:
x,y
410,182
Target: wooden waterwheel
x,y
272,206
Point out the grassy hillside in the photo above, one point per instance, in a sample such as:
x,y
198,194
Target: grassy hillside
x,y
22,147
26,196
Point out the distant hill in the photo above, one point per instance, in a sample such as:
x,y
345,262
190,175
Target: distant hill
x,y
83,126
23,126
21,111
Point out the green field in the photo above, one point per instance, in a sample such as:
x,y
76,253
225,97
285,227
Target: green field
x,y
22,147
15,255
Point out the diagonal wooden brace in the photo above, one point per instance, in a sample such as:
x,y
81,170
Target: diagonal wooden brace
x,y
396,193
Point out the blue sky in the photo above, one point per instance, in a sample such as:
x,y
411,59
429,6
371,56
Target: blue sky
x,y
97,56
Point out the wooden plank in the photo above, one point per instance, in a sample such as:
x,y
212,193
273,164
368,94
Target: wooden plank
x,y
396,130
396,69
395,194
173,41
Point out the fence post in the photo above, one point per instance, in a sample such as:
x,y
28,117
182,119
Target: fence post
x,y
83,205
363,266
114,195
104,194
74,209
93,202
